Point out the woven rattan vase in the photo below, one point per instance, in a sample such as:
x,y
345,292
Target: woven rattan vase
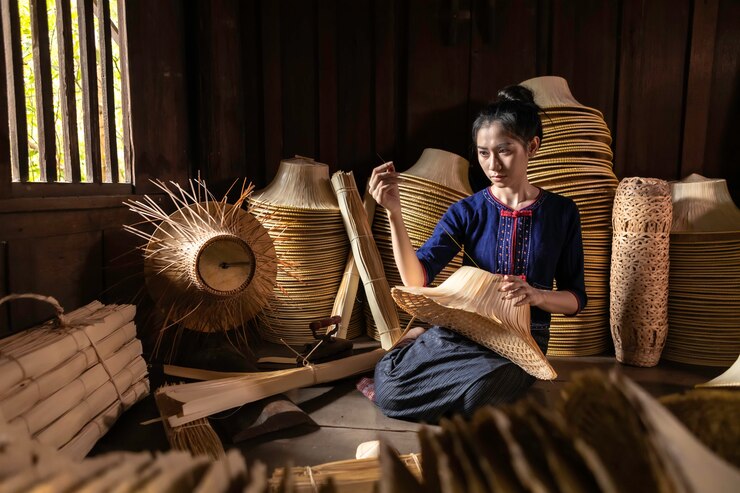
x,y
639,270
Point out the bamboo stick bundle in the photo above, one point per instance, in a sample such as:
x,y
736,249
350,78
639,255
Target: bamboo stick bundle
x,y
88,436
350,476
367,257
24,358
106,481
185,403
51,408
347,293
180,475
24,395
66,427
223,473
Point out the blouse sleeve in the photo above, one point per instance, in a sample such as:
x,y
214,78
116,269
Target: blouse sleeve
x,y
569,273
444,243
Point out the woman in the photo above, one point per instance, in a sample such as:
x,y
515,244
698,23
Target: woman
x,y
513,228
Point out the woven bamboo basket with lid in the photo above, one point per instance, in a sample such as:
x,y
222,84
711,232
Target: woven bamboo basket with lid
x,y
300,211
435,182
704,298
575,160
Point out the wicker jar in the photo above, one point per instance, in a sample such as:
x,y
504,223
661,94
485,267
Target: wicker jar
x,y
641,223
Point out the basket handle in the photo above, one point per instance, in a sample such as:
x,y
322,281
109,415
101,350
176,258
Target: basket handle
x,y
39,297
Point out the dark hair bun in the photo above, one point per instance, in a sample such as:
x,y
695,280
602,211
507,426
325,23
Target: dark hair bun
x,y
515,93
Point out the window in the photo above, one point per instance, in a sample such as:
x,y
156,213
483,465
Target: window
x,y
66,77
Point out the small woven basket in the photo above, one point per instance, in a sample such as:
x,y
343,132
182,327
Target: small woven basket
x,y
639,270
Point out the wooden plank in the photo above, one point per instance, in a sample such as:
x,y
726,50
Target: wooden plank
x,y
654,43
328,151
544,37
722,146
584,51
123,266
44,103
67,103
89,90
18,205
68,189
355,90
252,94
160,115
699,87
437,75
59,223
387,37
4,312
108,112
272,86
299,76
16,92
5,163
67,267
122,39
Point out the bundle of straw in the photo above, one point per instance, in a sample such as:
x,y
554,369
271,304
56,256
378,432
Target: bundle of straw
x,y
182,404
68,382
367,257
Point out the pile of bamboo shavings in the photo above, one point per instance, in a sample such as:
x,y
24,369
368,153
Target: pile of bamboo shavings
x,y
575,160
27,466
367,258
351,476
182,404
435,182
300,212
66,385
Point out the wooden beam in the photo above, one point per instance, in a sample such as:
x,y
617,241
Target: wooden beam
x,y
106,85
16,92
44,98
699,87
89,90
327,82
67,101
122,40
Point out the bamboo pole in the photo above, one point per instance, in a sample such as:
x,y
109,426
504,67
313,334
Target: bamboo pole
x,y
367,258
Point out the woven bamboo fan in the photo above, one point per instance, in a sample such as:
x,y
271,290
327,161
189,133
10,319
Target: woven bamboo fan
x,y
436,181
575,160
301,213
209,266
470,303
639,270
704,316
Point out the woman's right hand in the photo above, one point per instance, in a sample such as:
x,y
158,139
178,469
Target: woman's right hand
x,y
383,186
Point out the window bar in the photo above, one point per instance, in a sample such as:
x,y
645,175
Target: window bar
x,y
16,93
90,119
125,102
109,103
44,101
67,92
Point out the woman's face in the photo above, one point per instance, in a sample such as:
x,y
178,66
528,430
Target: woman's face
x,y
503,157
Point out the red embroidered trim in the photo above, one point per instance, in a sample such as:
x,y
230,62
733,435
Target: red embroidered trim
x,y
515,214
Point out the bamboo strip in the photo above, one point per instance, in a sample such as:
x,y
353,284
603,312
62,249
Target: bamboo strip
x,y
107,481
182,475
188,402
137,482
63,429
367,257
25,394
69,479
347,293
26,363
223,473
88,436
69,396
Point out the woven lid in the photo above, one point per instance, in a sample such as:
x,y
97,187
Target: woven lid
x,y
299,183
470,303
444,168
703,205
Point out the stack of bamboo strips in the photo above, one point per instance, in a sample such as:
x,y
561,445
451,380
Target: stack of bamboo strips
x,y
27,466
435,182
65,386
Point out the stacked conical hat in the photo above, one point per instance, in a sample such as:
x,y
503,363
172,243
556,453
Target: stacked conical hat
x,y
704,282
301,213
575,160
437,180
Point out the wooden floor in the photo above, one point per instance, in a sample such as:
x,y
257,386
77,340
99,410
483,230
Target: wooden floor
x,y
345,418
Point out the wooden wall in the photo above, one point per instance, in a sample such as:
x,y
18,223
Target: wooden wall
x,y
226,88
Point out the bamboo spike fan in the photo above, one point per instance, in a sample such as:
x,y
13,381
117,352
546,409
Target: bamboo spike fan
x,y
210,266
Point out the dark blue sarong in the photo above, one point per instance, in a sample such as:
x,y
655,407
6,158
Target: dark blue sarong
x,y
443,373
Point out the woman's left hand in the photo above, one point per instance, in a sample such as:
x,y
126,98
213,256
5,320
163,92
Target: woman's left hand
x,y
515,286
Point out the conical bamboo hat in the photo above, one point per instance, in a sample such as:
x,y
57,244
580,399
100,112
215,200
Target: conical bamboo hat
x,y
470,303
299,183
553,92
443,168
703,205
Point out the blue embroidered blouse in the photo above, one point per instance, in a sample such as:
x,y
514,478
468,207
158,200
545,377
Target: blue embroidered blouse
x,y
540,242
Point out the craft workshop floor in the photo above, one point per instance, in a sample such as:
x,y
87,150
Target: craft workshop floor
x,y
346,418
